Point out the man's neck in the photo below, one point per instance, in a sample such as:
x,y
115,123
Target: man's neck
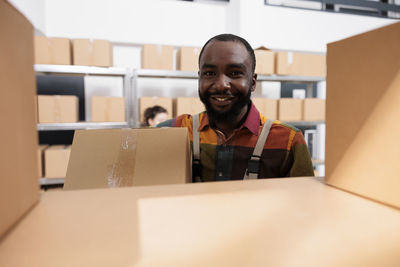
x,y
228,127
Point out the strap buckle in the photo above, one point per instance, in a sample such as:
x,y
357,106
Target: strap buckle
x,y
196,171
253,164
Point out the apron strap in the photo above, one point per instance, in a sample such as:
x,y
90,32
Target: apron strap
x,y
254,161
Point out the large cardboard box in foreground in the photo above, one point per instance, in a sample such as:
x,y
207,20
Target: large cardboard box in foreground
x,y
128,157
362,114
19,180
301,64
299,221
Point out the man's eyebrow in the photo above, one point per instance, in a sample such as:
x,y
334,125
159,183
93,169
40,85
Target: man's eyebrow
x,y
237,65
205,65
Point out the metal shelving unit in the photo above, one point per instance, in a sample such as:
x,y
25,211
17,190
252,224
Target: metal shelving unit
x,y
51,181
305,123
80,126
125,73
148,73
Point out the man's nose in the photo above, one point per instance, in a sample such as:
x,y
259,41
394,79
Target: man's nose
x,y
222,83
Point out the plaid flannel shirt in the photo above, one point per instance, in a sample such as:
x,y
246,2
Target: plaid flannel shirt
x,y
285,152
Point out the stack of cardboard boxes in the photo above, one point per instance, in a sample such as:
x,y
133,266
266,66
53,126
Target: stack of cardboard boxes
x,y
292,109
82,52
289,63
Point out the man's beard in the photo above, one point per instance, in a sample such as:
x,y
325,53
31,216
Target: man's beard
x,y
228,116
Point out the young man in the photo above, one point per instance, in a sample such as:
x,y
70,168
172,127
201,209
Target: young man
x,y
231,125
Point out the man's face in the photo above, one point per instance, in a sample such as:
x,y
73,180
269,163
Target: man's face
x,y
226,79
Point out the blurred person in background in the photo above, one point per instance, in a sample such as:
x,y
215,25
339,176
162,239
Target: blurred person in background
x,y
154,115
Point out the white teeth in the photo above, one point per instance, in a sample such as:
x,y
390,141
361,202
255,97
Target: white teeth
x,y
221,99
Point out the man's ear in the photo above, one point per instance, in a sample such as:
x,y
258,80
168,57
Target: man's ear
x,y
254,82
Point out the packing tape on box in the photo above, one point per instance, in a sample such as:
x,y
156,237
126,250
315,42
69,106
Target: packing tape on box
x,y
121,172
159,50
290,58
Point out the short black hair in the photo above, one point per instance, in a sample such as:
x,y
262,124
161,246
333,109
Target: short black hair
x,y
227,37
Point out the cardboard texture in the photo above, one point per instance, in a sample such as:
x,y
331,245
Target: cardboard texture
x,y
92,53
188,59
265,61
158,57
56,161
52,50
302,64
57,108
362,111
129,157
314,109
188,105
282,222
18,139
150,101
108,109
290,109
266,106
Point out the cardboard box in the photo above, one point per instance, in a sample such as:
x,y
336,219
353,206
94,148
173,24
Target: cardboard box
x,y
158,57
57,108
150,101
18,138
56,161
41,159
92,53
265,61
314,109
188,105
290,109
52,50
129,157
108,109
301,64
267,107
188,59
362,111
170,226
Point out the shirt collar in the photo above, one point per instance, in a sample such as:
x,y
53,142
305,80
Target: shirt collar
x,y
252,121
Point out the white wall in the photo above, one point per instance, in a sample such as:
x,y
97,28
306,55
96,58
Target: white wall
x,y
183,23
136,21
297,29
35,12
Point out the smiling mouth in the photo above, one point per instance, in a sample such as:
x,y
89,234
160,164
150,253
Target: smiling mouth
x,y
222,98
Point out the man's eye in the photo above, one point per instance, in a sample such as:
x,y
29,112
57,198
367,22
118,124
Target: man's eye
x,y
208,73
236,73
